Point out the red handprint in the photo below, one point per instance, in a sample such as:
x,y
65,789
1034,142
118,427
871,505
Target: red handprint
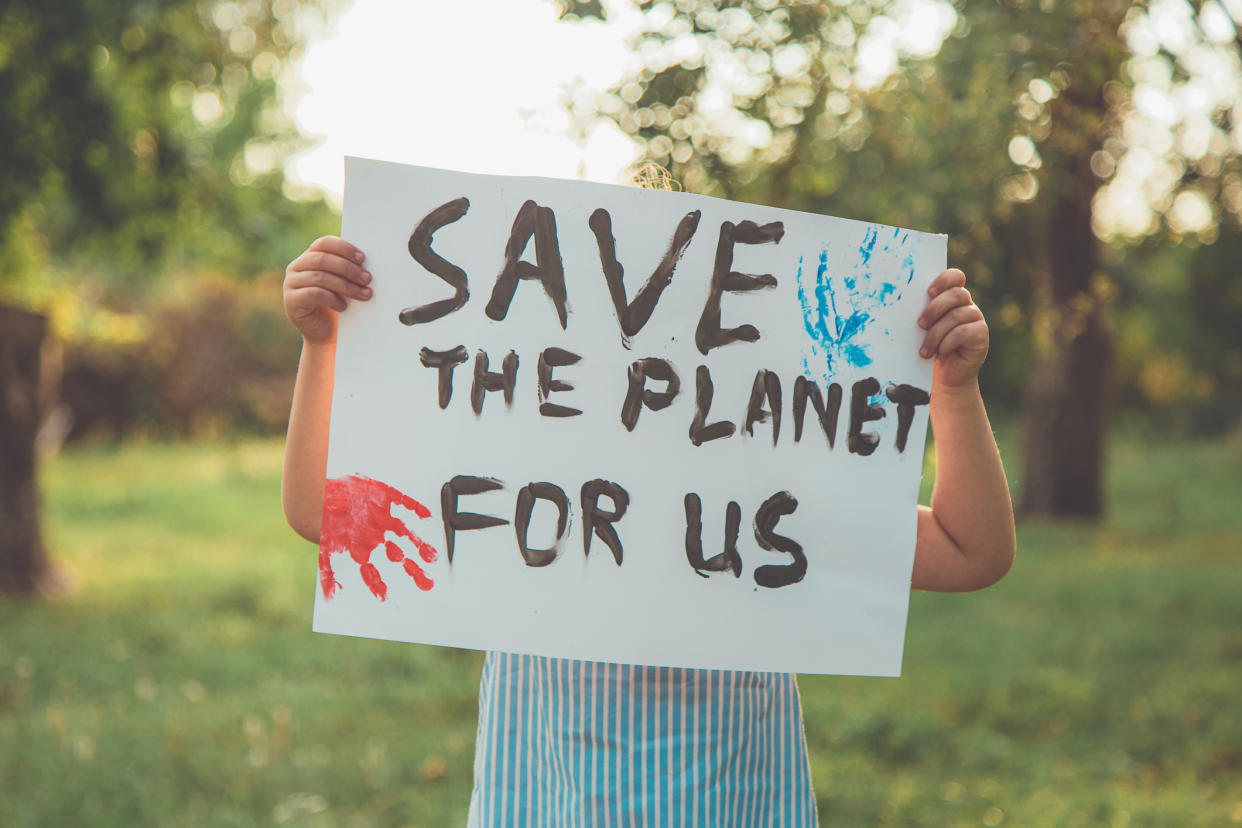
x,y
357,513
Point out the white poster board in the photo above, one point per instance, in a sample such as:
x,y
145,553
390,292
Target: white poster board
x,y
728,482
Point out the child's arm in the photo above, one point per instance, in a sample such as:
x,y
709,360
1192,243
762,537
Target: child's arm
x,y
318,285
966,539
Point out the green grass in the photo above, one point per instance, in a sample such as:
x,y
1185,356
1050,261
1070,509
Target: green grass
x,y
1099,684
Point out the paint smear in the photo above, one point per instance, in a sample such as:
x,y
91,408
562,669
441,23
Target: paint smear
x,y
357,515
841,302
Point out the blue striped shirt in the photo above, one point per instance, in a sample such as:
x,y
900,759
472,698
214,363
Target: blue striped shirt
x,y
582,743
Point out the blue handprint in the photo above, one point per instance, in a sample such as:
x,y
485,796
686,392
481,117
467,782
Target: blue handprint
x,y
838,310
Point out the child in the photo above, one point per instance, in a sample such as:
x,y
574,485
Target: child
x,y
565,742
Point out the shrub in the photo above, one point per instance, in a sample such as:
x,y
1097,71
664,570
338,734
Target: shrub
x,y
214,355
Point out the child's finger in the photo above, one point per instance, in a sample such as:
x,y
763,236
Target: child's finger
x,y
331,263
947,279
306,300
330,281
337,245
973,336
942,303
951,321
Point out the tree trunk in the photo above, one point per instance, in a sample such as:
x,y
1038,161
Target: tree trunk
x,y
1067,393
23,562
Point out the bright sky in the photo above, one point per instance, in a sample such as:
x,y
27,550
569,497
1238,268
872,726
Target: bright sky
x,y
476,85
433,84
482,86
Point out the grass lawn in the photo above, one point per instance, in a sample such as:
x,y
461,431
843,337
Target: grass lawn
x,y
1100,684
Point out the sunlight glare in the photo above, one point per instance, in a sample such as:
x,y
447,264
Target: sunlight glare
x,y
477,86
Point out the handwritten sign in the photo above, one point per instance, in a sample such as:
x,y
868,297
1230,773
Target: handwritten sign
x,y
598,422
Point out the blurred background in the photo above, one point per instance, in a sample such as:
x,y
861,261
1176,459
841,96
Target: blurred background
x,y
163,161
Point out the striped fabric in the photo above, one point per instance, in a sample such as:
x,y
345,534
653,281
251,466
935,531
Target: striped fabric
x,y
582,743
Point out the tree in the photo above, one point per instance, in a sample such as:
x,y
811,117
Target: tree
x,y
23,562
1016,123
137,137
144,136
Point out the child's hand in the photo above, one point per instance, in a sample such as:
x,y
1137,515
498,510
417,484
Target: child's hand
x,y
319,285
957,334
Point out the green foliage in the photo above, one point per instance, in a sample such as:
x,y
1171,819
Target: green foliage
x,y
143,157
1179,344
208,354
1002,138
147,137
1095,685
